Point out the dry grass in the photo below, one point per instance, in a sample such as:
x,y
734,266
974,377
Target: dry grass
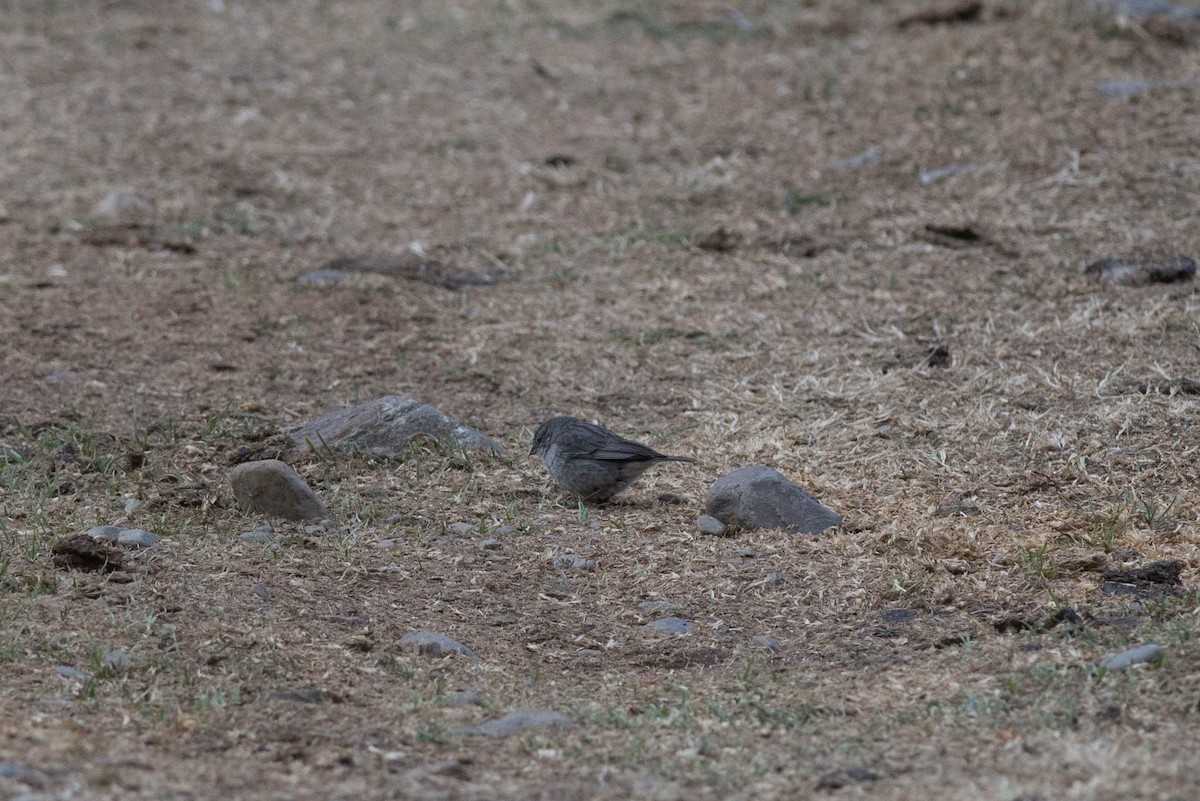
x,y
267,139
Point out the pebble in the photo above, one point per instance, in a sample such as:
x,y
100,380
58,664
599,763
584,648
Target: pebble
x,y
710,525
757,496
387,427
71,674
107,533
506,531
385,545
515,722
137,538
464,698
766,641
462,528
569,561
671,625
257,535
116,661
490,545
433,644
132,505
274,488
1134,656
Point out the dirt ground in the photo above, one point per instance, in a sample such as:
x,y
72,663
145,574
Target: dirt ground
x,y
844,239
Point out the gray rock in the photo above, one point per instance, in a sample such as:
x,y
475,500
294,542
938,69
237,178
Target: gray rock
x,y
506,531
432,644
671,625
258,535
490,545
515,722
322,278
387,427
106,533
71,674
462,528
757,496
464,698
710,525
132,505
137,538
1134,656
768,642
116,661
569,561
274,488
385,545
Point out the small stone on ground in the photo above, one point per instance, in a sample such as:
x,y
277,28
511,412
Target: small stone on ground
x,y
515,722
757,496
272,487
671,625
1134,656
433,644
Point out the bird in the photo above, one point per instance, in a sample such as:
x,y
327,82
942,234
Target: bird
x,y
591,462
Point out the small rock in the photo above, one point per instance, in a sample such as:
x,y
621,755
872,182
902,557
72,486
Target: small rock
x,y
83,553
760,497
490,545
106,533
303,695
710,525
388,427
71,674
258,535
569,561
515,722
1143,270
864,159
768,642
506,531
274,488
671,625
385,545
745,553
934,176
261,591
464,698
132,505
1134,656
137,538
116,661
432,644
462,528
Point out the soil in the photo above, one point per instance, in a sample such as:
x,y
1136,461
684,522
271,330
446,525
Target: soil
x,y
847,240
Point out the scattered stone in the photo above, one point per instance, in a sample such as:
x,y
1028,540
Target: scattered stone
x,y
1134,656
80,552
710,525
766,641
671,625
106,533
385,545
944,14
273,487
864,159
388,427
258,535
745,553
515,722
490,545
261,591
462,528
303,695
434,645
464,698
934,176
1151,579
842,777
321,278
71,674
506,531
1143,270
411,266
569,561
116,661
137,538
757,496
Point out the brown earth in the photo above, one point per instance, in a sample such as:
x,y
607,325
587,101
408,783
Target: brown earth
x,y
630,213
